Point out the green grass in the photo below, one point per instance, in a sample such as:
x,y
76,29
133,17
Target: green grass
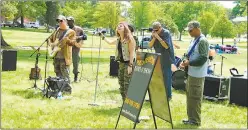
x,y
26,37
22,108
34,37
26,108
41,30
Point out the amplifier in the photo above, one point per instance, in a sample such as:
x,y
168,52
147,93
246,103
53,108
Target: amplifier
x,y
216,88
9,60
238,91
114,66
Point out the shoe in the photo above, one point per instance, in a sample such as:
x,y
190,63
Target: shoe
x,y
189,122
76,77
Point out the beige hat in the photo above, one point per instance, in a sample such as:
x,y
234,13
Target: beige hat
x,y
61,17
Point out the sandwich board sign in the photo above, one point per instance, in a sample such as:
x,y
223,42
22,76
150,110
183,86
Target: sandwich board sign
x,y
147,77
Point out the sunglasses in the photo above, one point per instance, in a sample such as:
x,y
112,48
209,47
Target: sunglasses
x,y
59,21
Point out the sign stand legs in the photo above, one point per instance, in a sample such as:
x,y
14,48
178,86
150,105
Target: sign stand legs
x,y
154,119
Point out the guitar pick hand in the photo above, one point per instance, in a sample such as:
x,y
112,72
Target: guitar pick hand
x,y
186,63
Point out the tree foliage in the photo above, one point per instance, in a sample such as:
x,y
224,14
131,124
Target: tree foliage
x,y
51,13
222,28
8,9
141,14
240,28
240,8
107,15
206,20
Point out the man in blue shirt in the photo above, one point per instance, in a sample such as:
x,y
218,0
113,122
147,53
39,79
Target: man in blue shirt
x,y
162,43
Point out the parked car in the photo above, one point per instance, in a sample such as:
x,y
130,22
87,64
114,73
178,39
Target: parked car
x,y
9,24
32,25
228,48
146,40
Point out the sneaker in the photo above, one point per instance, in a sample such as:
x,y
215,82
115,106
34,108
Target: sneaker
x,y
190,122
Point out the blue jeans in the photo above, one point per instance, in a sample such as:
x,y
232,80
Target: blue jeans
x,y
167,74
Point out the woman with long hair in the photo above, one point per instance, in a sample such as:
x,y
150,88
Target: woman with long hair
x,y
125,54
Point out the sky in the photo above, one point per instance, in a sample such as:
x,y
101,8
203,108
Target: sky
x,y
226,4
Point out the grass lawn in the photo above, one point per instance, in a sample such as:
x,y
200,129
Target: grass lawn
x,y
26,108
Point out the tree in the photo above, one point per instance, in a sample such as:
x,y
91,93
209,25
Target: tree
x,y
140,14
206,20
107,15
81,11
240,28
222,28
240,8
182,15
8,10
29,9
51,13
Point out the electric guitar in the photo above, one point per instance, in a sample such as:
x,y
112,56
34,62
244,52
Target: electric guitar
x,y
185,69
54,48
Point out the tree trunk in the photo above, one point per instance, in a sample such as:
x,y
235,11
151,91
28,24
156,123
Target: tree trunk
x,y
180,36
17,16
3,42
222,40
22,21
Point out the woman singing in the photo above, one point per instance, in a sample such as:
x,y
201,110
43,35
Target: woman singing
x,y
125,54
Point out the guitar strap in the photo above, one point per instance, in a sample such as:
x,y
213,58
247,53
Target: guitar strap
x,y
193,47
62,36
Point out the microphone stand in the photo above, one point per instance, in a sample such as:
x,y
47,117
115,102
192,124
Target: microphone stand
x,y
95,104
222,57
38,54
36,69
142,42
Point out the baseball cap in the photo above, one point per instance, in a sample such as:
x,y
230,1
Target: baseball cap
x,y
156,25
60,17
131,27
192,25
70,18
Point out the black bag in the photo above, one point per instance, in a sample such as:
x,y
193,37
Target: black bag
x,y
56,85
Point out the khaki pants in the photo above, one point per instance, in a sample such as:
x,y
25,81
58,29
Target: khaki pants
x,y
194,92
75,61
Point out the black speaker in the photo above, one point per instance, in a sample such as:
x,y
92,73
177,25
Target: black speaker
x,y
238,91
9,60
216,88
114,66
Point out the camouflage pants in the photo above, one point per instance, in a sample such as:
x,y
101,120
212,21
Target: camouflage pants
x,y
63,71
194,92
124,79
75,61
